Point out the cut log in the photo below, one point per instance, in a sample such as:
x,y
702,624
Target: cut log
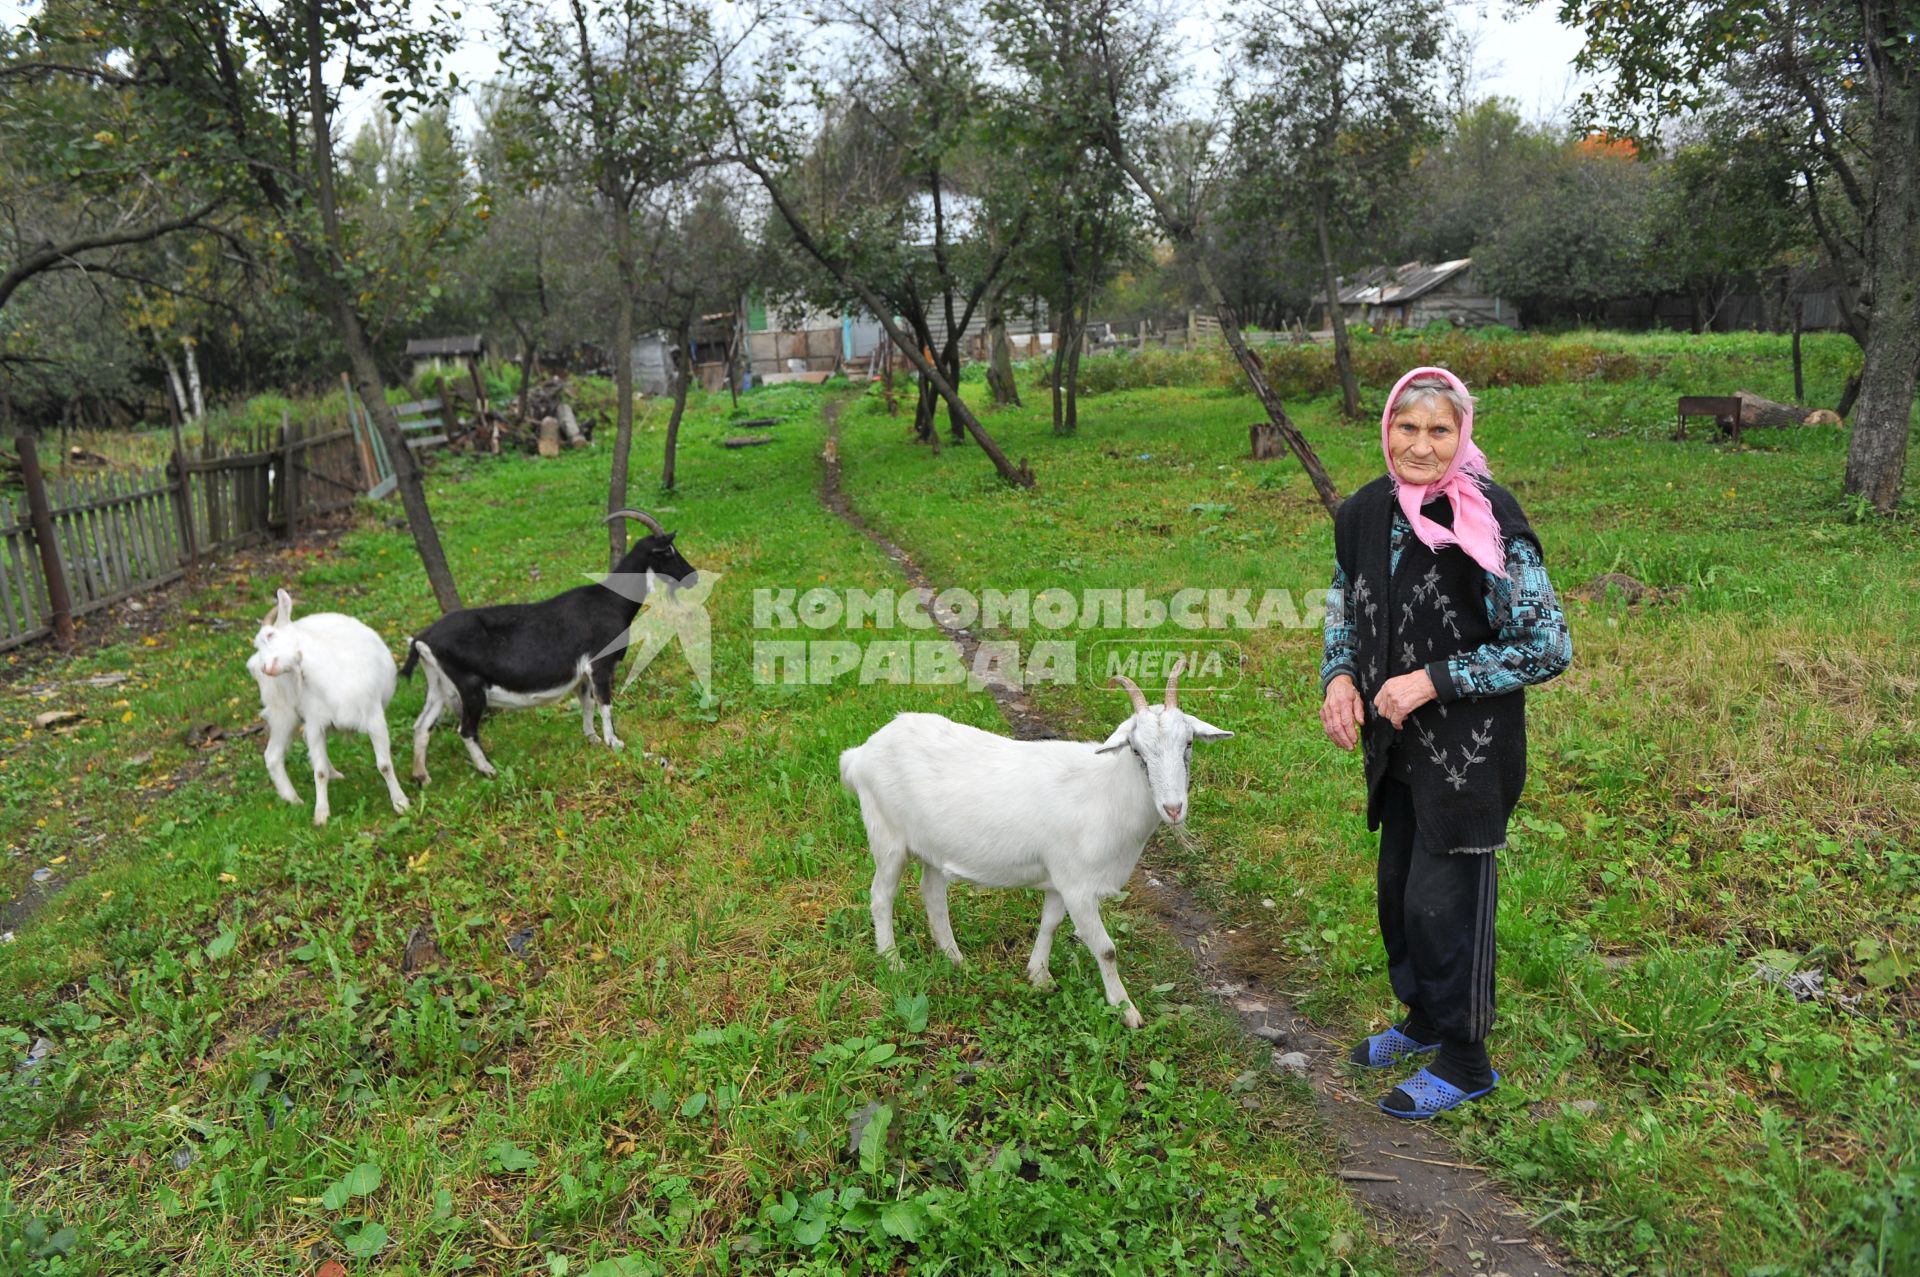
x,y
746,441
1755,411
550,437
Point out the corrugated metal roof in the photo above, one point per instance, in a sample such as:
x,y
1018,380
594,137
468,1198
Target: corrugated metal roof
x,y
433,347
1391,285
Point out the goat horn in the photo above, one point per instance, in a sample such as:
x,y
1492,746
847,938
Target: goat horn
x,y
1173,682
1139,698
641,515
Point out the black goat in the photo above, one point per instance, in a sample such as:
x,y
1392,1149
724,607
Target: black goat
x,y
517,655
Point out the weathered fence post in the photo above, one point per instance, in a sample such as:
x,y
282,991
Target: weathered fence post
x,y
183,503
289,489
59,602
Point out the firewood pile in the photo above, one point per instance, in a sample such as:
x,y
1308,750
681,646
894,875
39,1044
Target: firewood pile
x,y
550,423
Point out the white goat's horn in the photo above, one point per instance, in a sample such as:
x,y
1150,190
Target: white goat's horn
x,y
641,515
1173,682
1139,699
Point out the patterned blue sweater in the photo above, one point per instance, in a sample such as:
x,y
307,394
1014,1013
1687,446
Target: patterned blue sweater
x,y
1532,644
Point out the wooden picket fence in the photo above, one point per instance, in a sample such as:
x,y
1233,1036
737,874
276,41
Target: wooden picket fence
x,y
72,545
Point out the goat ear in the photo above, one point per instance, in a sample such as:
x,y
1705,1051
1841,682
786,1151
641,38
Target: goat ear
x,y
285,612
1116,741
1203,730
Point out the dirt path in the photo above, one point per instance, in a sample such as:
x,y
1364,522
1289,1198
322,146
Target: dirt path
x,y
1443,1215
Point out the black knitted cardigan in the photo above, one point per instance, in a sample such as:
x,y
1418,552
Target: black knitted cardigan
x,y
1465,759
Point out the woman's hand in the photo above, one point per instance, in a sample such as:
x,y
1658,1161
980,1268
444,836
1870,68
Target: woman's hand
x,y
1342,713
1401,695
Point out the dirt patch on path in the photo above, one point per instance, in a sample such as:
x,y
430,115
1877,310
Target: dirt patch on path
x,y
1442,1214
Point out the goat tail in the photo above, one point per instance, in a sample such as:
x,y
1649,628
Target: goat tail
x,y
413,658
849,769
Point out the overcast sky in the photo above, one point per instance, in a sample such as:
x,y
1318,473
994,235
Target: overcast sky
x,y
1521,53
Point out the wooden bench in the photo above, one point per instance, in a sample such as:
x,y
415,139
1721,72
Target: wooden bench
x,y
1724,409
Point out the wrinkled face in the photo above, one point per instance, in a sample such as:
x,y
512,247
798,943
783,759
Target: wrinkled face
x,y
1163,739
1422,440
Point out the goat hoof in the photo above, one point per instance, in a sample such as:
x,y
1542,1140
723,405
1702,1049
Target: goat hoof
x,y
1040,979
616,743
1132,1019
319,819
402,804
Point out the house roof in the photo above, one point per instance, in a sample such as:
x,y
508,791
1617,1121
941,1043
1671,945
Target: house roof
x,y
1391,285
433,347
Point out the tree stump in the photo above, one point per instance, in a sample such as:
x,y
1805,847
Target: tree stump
x,y
1265,437
550,436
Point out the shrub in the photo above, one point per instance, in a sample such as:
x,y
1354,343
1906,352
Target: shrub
x,y
1482,358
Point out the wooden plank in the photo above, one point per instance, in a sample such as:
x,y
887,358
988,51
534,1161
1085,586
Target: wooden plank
x,y
68,545
26,567
106,538
22,520
140,521
431,441
16,618
419,408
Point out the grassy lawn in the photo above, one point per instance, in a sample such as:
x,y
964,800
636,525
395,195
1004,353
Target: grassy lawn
x,y
1727,777
656,1009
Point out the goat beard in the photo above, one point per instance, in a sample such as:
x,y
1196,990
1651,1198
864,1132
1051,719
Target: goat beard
x,y
1184,837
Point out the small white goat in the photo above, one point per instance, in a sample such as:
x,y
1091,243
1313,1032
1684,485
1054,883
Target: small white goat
x,y
325,670
1067,817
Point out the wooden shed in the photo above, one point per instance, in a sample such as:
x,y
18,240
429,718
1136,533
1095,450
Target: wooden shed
x,y
1415,294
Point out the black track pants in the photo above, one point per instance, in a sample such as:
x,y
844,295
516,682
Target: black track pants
x,y
1436,918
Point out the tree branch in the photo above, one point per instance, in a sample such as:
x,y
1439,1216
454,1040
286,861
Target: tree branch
x,y
46,257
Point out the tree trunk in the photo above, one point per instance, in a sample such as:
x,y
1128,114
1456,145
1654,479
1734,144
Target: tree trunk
x,y
1756,412
179,390
1021,475
1799,379
950,363
193,378
622,380
1186,241
527,352
361,365
1062,338
1000,378
923,409
1337,317
682,374
1877,455
1080,325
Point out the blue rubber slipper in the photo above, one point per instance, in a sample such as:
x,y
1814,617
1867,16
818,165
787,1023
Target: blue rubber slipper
x,y
1432,1095
1384,1050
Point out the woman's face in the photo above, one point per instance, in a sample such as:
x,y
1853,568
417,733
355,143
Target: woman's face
x,y
1422,441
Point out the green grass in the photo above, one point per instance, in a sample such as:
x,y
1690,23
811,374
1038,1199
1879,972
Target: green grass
x,y
1728,775
661,1079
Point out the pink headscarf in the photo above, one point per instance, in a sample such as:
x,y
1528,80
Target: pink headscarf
x,y
1475,529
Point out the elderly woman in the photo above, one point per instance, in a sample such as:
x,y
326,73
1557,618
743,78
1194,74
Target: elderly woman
x,y
1441,615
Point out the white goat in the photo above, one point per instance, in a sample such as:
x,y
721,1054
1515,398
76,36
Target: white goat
x,y
324,670
1070,818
